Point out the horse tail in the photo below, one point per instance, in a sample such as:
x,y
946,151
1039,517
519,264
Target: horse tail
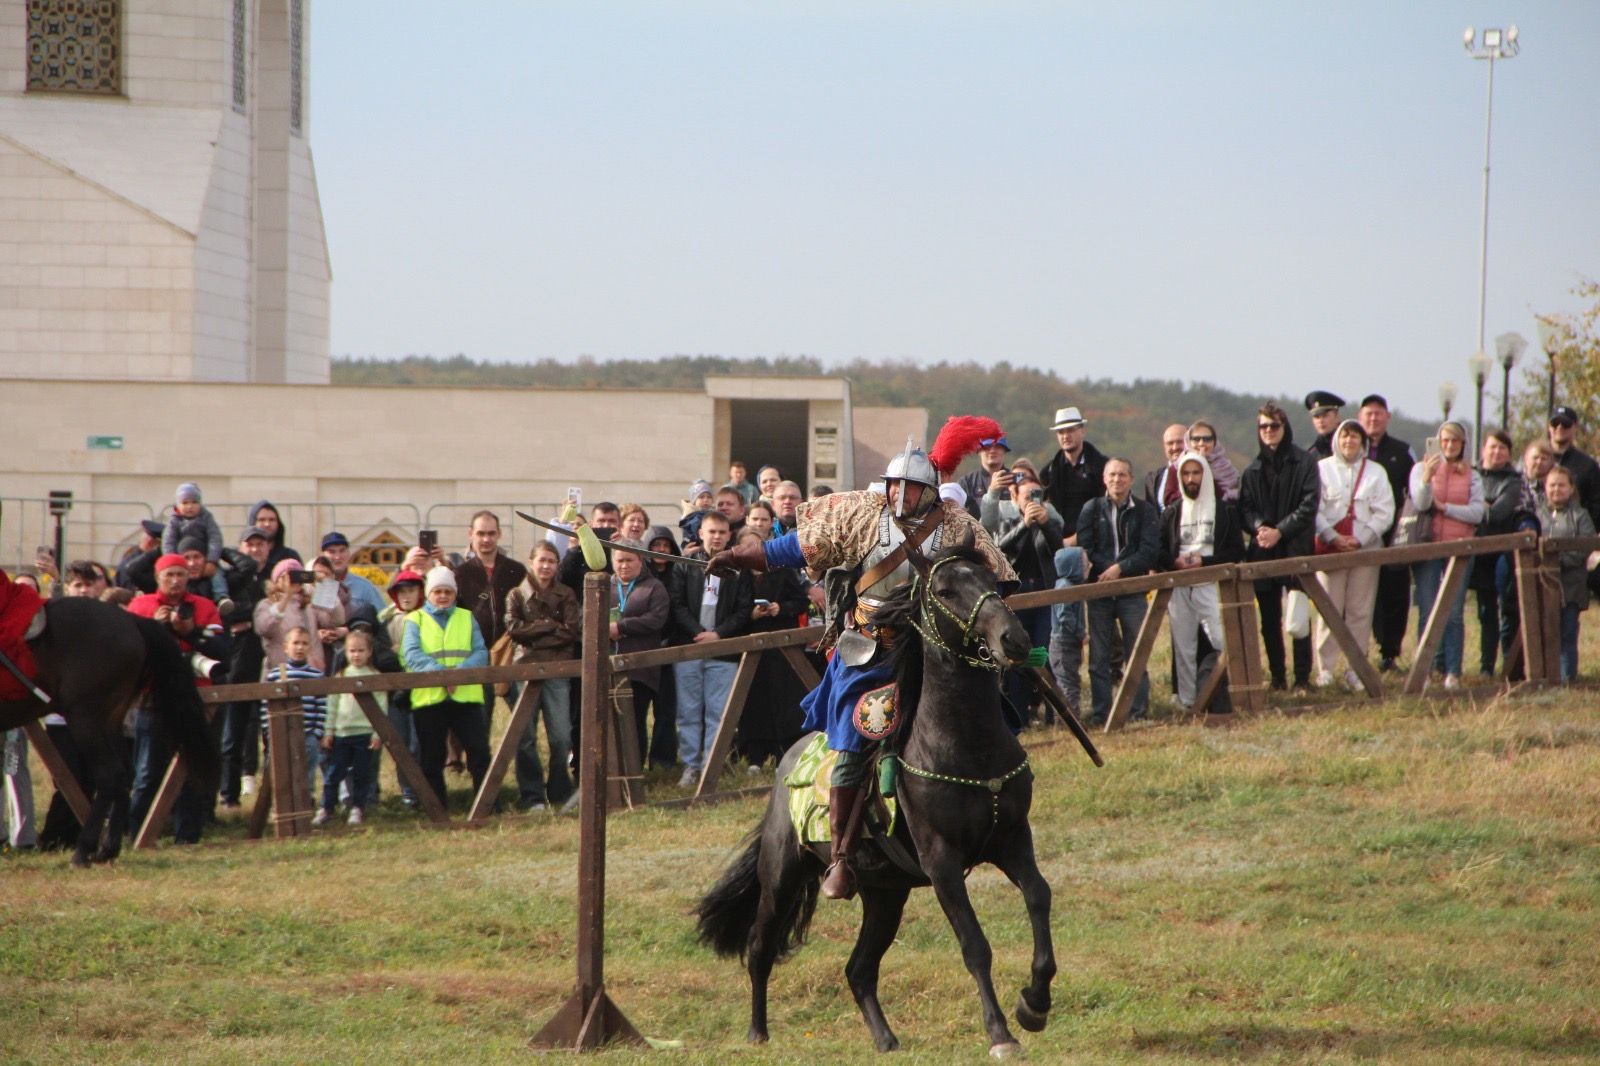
x,y
176,703
727,912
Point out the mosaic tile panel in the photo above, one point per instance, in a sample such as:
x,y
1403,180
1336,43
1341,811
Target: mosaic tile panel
x,y
75,46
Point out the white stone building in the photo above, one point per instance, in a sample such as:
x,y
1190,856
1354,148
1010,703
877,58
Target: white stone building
x,y
159,218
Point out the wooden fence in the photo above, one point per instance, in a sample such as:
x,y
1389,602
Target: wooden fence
x,y
284,803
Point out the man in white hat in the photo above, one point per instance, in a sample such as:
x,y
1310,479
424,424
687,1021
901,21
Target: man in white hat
x,y
1077,473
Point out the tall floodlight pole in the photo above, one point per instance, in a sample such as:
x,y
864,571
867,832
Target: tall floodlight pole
x,y
1492,45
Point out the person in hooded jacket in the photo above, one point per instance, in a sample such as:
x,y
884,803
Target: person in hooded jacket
x,y
1201,530
264,516
543,618
1356,509
1278,505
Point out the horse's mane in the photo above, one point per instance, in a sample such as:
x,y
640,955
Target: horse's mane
x,y
899,610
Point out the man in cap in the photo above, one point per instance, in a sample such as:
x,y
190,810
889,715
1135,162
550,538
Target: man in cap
x,y
861,536
137,571
1394,581
1324,408
336,549
992,474
1076,474
1585,472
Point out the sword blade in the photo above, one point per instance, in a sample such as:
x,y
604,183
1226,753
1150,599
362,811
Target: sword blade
x,y
607,545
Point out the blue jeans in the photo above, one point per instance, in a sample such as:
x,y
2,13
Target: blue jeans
x,y
555,704
150,758
1427,577
1106,616
1569,643
703,686
400,717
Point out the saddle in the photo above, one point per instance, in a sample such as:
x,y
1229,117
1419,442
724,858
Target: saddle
x,y
808,803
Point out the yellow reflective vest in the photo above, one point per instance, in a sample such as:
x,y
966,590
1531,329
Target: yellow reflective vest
x,y
448,645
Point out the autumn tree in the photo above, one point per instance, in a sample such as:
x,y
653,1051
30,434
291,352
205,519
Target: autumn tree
x,y
1574,350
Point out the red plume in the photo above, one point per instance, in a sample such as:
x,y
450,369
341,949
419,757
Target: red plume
x,y
959,438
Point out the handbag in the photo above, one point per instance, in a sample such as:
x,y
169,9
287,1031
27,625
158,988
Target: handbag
x,y
1346,526
1414,526
501,654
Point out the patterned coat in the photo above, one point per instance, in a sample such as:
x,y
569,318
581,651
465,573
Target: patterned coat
x,y
840,529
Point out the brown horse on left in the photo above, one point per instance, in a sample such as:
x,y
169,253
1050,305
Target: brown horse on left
x,y
95,660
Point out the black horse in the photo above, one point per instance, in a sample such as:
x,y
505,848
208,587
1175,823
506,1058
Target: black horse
x,y
964,796
95,660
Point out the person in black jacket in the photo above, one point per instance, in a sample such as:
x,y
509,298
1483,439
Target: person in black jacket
x,y
1201,529
1077,473
1278,505
1120,537
1394,581
706,608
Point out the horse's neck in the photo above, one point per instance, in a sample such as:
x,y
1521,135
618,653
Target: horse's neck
x,y
958,721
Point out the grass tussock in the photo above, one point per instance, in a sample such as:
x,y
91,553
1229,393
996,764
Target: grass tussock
x,y
1409,882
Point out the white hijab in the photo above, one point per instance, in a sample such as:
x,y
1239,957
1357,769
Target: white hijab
x,y
1197,521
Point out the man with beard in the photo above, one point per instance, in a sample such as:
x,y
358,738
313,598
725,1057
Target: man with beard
x,y
1202,530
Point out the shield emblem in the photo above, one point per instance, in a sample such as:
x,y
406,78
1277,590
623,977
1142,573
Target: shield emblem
x,y
877,713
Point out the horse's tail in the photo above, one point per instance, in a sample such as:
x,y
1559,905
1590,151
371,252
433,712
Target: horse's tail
x,y
176,703
727,913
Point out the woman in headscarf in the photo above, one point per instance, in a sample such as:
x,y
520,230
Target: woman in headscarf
x,y
1445,484
1354,511
1203,439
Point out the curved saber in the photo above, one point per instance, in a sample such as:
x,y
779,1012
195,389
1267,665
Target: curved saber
x,y
607,545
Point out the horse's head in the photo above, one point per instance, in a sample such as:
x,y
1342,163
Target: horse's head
x,y
961,606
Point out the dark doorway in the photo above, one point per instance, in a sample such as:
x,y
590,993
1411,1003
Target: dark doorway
x,y
771,433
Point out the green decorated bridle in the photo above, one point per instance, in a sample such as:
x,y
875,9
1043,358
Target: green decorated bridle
x,y
926,621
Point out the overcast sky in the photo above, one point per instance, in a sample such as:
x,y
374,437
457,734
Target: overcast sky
x,y
1269,196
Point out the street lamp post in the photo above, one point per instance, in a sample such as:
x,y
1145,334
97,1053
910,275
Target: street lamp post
x,y
1493,44
1447,397
1478,364
1509,347
1550,341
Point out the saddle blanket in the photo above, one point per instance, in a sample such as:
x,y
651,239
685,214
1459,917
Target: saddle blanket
x,y
18,605
808,794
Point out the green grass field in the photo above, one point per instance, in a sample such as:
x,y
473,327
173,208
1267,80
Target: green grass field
x,y
1416,881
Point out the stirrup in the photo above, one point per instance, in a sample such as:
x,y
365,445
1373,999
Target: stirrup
x,y
839,881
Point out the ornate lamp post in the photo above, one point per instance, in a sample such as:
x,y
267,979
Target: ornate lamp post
x,y
1478,364
1447,398
1509,347
1550,341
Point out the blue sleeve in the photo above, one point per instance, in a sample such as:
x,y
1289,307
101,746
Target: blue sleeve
x,y
785,551
480,650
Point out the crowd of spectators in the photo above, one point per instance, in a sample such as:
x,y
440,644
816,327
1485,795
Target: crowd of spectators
x,y
257,609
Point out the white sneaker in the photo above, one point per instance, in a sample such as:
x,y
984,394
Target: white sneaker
x,y
355,816
1451,681
689,778
1324,678
321,817
247,785
1352,681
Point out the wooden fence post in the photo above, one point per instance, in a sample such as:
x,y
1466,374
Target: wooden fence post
x,y
1133,670
1243,638
588,1018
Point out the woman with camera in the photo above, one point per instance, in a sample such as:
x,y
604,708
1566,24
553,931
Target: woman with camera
x,y
288,604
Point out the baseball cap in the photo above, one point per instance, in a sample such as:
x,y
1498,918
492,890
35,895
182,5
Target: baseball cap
x,y
1565,415
332,539
256,531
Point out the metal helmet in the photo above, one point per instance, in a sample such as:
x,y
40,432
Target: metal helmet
x,y
912,464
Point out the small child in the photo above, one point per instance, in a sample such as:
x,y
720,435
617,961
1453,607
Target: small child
x,y
314,709
190,519
701,500
1560,515
349,740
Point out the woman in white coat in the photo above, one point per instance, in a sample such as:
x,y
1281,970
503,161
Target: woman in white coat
x,y
1355,508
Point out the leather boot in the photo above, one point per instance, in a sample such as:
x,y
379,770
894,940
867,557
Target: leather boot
x,y
840,881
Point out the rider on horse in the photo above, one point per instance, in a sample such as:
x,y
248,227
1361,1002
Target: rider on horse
x,y
862,540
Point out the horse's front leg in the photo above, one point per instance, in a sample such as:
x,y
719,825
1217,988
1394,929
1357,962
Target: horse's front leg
x,y
1016,860
881,910
950,886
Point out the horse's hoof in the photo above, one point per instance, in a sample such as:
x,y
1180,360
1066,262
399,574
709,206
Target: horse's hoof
x,y
1031,1020
755,1036
80,860
1009,1050
891,1043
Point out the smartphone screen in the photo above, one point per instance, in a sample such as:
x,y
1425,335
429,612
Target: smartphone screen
x,y
1432,446
575,494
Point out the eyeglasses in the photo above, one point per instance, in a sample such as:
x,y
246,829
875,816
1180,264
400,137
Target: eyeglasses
x,y
1269,427
1197,438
